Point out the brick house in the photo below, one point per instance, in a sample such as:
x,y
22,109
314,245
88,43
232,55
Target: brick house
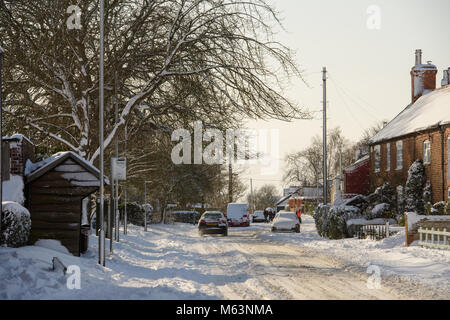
x,y
356,177
420,131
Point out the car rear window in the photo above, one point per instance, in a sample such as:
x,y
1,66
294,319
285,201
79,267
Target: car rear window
x,y
213,215
288,215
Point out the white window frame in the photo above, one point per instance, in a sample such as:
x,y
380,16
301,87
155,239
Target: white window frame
x,y
388,157
399,155
426,152
377,158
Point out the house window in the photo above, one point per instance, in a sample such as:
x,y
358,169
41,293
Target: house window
x,y
388,157
399,146
427,152
377,155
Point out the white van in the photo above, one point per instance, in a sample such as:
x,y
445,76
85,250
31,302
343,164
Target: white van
x,y
238,215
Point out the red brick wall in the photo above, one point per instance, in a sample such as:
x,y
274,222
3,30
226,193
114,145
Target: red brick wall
x,y
428,79
357,181
413,150
20,152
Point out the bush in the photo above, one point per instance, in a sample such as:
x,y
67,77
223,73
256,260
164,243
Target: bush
x,y
438,209
414,190
16,225
332,222
189,217
386,195
447,209
381,210
359,201
135,213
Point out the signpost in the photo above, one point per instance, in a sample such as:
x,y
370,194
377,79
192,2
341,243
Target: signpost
x,y
119,173
119,168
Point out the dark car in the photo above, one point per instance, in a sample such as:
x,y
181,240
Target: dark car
x,y
213,222
258,216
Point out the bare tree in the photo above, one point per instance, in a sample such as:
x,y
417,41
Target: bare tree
x,y
264,197
171,58
306,166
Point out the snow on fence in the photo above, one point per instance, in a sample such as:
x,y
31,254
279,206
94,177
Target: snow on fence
x,y
434,235
373,231
415,221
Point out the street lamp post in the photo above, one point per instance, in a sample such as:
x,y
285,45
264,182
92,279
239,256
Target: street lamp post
x,y
145,203
101,102
1,139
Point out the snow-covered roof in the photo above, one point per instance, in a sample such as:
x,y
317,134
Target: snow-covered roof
x,y
34,170
429,111
17,136
357,164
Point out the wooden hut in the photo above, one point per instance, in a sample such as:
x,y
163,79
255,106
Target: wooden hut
x,y
55,189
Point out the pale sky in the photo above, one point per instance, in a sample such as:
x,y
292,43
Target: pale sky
x,y
369,69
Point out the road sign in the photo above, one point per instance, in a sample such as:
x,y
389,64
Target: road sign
x,y
119,168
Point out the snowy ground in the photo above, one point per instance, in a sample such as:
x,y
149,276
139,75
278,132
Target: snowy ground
x,y
173,262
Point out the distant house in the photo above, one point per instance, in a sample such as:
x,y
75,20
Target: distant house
x,y
357,176
420,131
297,197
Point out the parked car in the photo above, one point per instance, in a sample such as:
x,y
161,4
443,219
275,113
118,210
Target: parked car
x,y
213,222
286,221
238,215
258,216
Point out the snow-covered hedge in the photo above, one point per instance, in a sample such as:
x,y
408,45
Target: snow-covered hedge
x,y
136,212
380,206
331,222
16,225
438,209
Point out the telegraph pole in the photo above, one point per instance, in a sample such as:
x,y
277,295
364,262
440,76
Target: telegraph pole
x,y
145,200
325,180
230,182
251,196
101,245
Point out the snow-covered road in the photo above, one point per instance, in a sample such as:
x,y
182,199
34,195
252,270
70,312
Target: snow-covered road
x,y
173,262
269,270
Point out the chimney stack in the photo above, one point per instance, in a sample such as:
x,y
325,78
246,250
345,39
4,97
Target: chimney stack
x,y
423,77
418,57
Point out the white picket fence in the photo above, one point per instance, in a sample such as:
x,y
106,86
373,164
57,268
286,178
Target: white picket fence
x,y
434,238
